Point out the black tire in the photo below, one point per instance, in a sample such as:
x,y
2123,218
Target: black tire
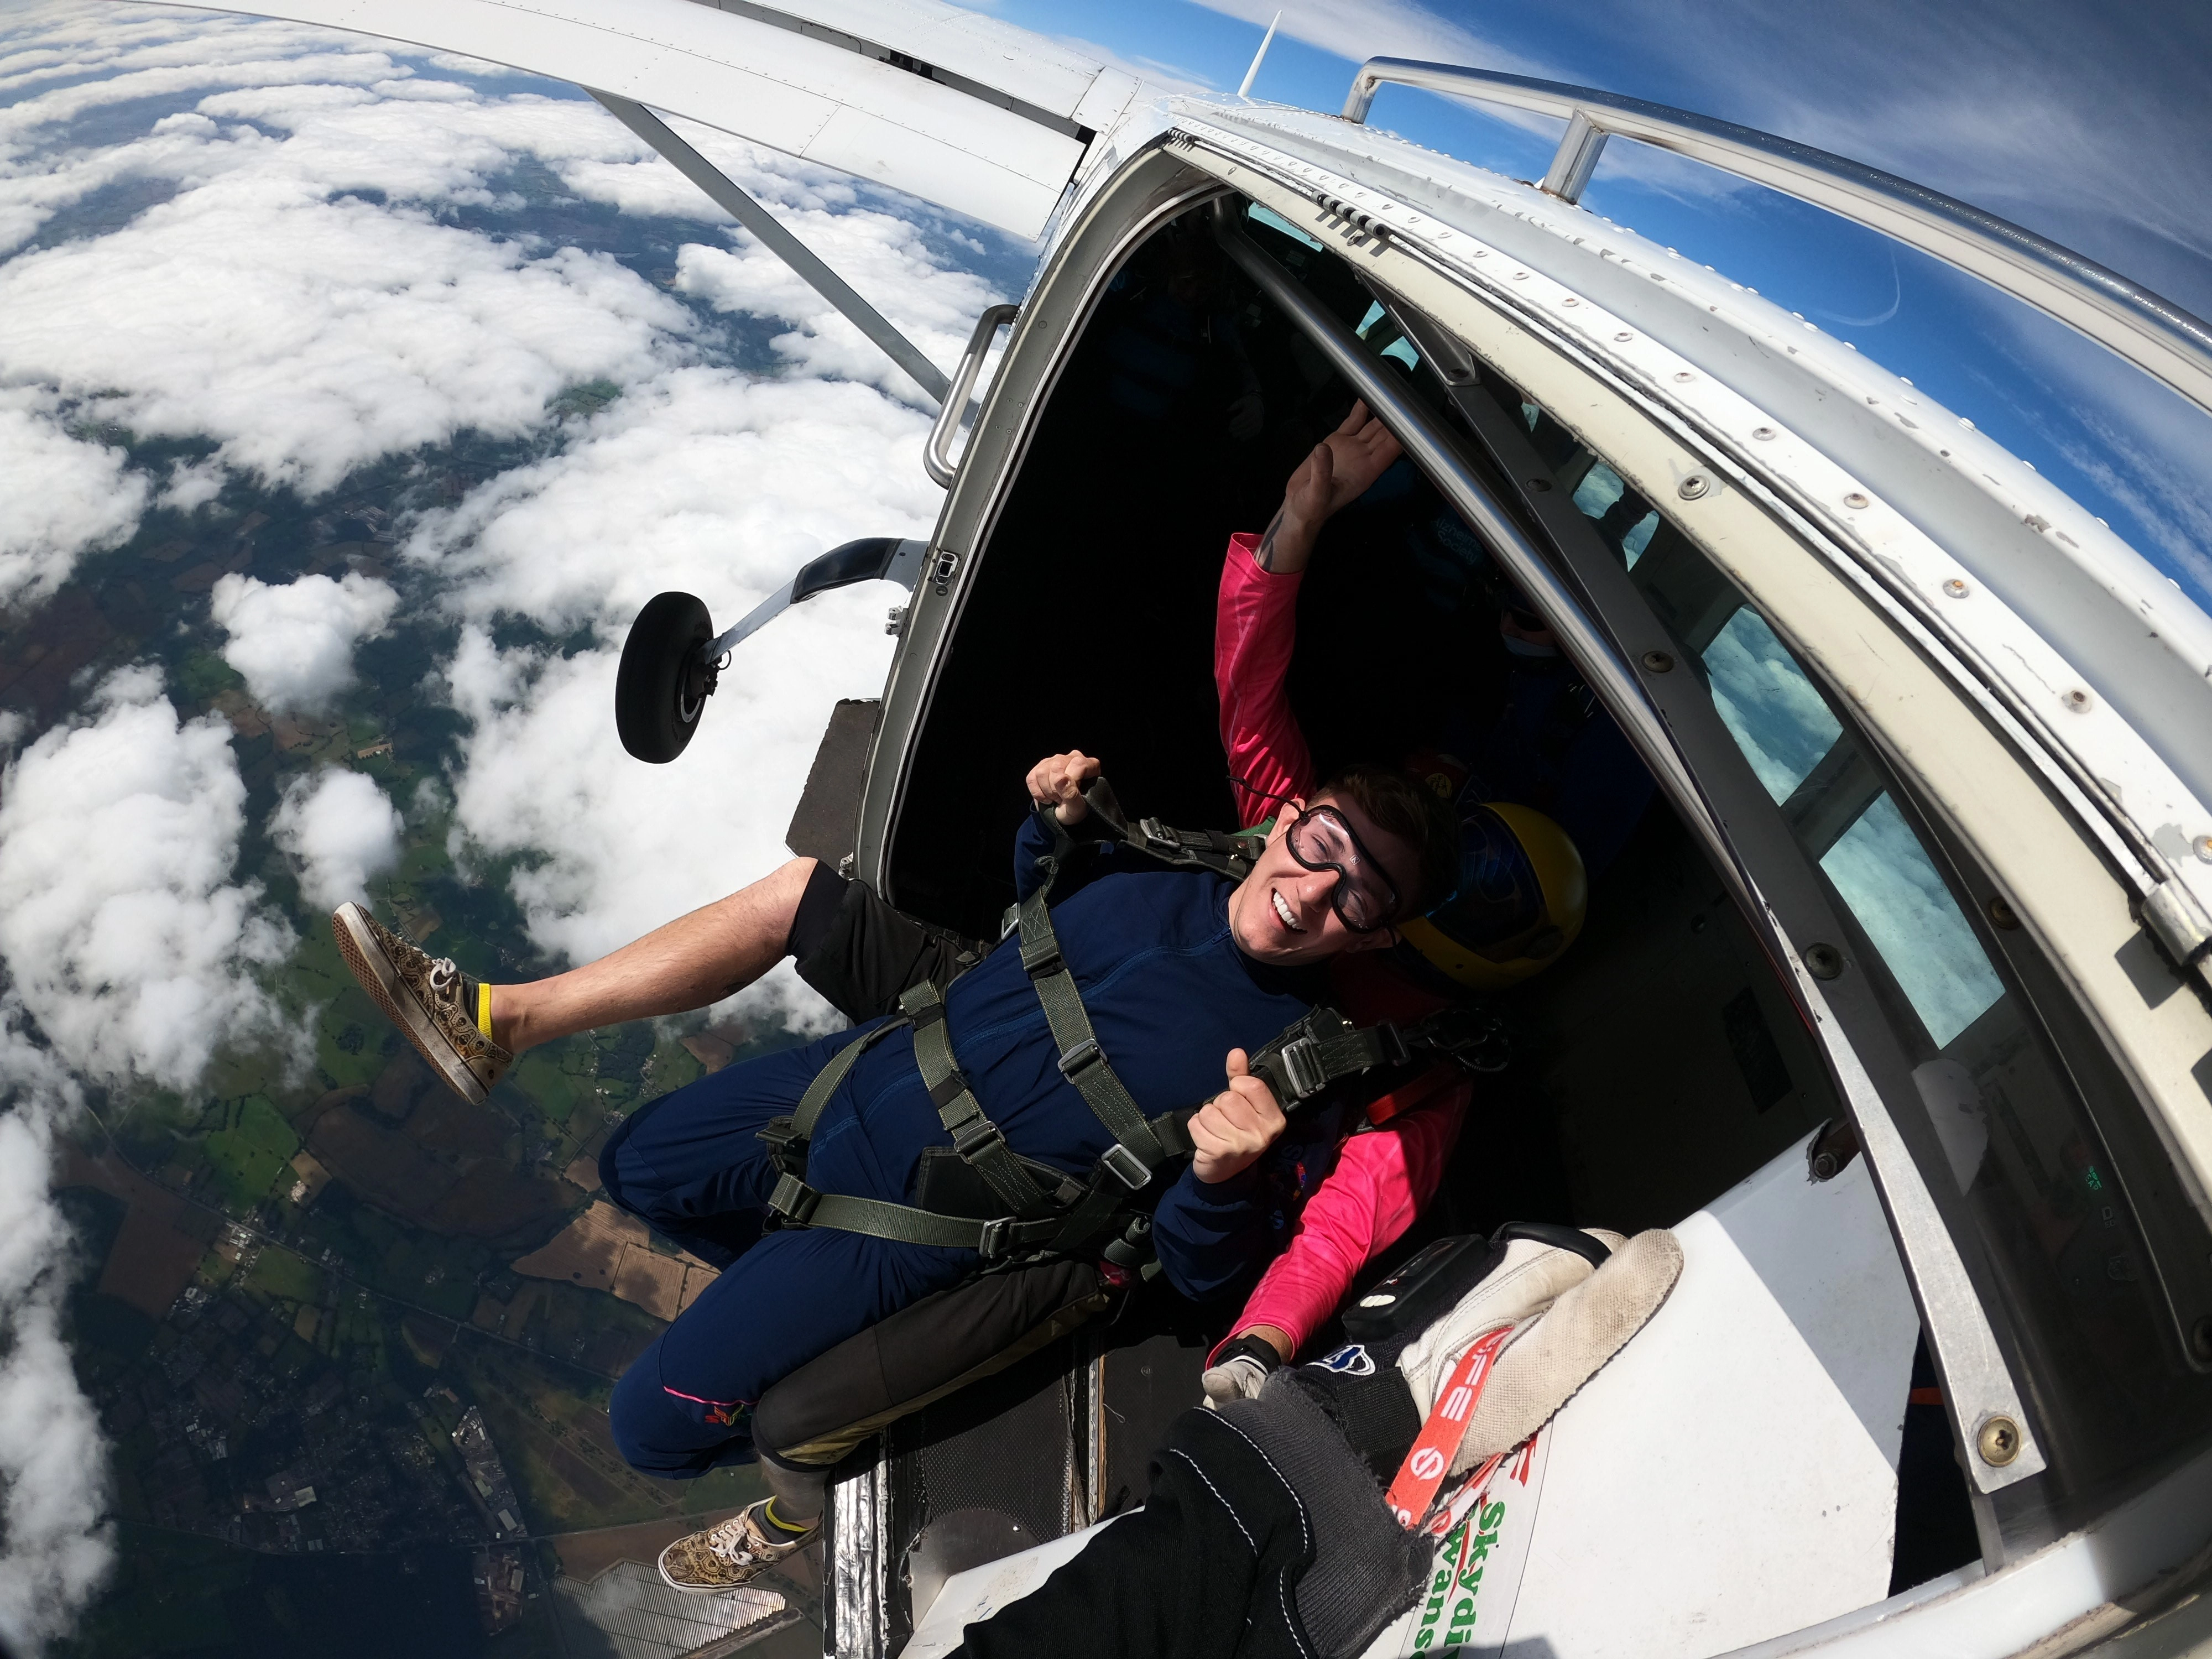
x,y
662,688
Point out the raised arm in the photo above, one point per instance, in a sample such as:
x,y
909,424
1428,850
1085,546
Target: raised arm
x,y
1256,614
1342,468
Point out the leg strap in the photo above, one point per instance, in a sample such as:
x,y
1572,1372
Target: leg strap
x,y
975,1137
800,1205
787,1137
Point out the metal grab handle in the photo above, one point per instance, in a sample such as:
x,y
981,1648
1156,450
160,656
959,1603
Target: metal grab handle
x,y
935,459
2145,328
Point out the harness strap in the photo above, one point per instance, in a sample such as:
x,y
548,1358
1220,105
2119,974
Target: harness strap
x,y
1319,1048
788,1137
1081,1061
1101,1200
1137,1150
975,1137
801,1205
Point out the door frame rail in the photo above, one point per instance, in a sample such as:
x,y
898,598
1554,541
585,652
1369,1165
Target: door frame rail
x,y
2163,339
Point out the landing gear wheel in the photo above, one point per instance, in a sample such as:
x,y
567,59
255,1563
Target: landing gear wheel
x,y
662,687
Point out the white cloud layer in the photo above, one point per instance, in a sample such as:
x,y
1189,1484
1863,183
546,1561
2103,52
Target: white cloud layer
x,y
120,928
702,480
293,643
286,301
338,829
56,1546
329,255
67,498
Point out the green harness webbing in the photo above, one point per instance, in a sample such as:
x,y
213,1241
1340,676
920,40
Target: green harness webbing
x,y
1318,1050
975,1137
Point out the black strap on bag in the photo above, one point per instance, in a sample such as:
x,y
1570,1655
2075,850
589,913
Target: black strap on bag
x,y
1320,1048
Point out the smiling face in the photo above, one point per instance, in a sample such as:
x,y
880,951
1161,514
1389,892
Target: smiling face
x,y
1282,914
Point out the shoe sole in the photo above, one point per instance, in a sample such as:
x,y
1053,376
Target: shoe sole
x,y
380,978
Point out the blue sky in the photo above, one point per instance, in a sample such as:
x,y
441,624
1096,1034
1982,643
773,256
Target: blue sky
x,y
2084,122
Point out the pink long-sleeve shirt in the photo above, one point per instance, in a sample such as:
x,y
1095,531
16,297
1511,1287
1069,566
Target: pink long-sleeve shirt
x,y
1386,1173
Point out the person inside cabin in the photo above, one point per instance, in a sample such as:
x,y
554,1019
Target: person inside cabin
x,y
1544,744
1177,974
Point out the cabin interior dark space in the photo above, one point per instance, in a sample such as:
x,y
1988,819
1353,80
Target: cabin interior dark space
x,y
1661,1061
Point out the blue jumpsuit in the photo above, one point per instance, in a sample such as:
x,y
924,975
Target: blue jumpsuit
x,y
1169,995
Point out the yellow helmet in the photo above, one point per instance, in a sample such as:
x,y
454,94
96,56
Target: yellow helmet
x,y
1521,896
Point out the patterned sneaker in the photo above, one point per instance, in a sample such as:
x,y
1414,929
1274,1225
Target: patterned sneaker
x,y
424,997
722,1558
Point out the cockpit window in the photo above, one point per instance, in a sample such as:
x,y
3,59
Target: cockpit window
x,y
1275,222
1388,339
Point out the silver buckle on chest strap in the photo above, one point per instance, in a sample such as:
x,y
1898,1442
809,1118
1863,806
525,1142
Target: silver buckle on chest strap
x,y
1302,1068
1128,1168
1159,835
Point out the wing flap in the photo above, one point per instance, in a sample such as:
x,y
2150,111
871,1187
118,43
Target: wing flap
x,y
798,83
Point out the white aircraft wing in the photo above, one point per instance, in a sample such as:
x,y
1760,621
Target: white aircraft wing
x,y
975,115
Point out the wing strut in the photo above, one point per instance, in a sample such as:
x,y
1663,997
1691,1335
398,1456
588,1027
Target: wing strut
x,y
780,242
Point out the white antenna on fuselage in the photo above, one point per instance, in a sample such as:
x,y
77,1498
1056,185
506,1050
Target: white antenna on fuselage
x,y
1252,74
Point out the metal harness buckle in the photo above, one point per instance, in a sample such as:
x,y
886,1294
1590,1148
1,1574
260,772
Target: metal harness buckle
x,y
978,1135
793,1200
992,1244
1127,1167
1302,1066
1159,835
781,1138
1083,1055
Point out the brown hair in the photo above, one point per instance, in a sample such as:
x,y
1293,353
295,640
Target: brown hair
x,y
1397,802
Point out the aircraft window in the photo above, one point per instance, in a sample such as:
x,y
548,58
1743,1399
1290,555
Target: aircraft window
x,y
1599,489
1634,544
1392,343
1892,887
1601,494
1778,719
2023,1132
1329,280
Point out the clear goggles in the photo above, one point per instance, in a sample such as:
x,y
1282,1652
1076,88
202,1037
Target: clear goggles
x,y
1364,898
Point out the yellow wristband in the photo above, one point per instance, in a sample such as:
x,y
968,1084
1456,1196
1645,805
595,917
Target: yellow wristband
x,y
483,1007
